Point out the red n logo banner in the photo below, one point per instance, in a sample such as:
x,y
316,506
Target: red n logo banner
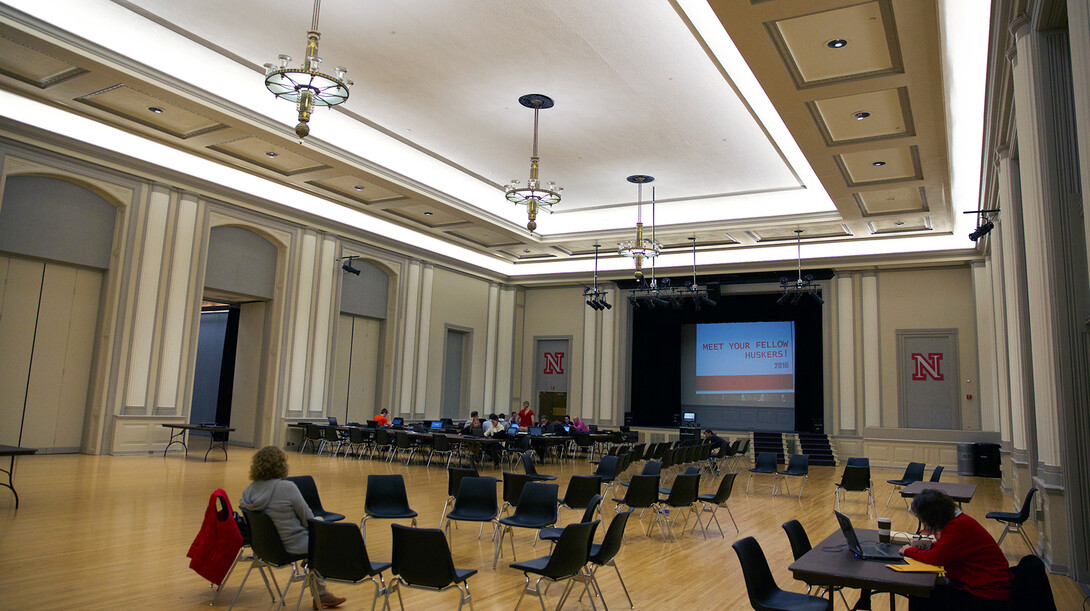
x,y
554,363
928,366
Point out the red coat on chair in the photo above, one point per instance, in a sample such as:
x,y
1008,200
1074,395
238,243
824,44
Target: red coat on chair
x,y
217,544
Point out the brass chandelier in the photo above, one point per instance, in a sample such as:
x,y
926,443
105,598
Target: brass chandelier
x,y
641,248
535,194
307,86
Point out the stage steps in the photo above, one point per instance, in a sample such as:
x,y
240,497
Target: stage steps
x,y
818,447
769,442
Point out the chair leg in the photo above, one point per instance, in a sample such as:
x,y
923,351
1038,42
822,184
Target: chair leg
x,y
748,482
803,486
895,489
623,586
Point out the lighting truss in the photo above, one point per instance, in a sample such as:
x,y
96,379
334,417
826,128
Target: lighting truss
x,y
655,293
595,298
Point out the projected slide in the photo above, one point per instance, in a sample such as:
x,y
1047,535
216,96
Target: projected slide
x,y
745,357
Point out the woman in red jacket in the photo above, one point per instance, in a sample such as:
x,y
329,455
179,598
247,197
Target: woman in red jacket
x,y
977,570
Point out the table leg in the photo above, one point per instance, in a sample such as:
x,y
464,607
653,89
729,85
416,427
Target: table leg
x,y
177,436
212,441
11,482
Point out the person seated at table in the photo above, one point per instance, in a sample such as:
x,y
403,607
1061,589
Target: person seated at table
x,y
473,418
580,426
503,421
494,426
977,570
526,415
566,422
546,426
281,500
383,417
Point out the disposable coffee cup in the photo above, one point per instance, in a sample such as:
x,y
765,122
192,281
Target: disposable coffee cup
x,y
883,529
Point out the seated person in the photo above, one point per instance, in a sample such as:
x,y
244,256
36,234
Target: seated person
x,y
283,503
567,421
473,418
546,426
580,426
503,421
494,428
977,570
383,417
719,444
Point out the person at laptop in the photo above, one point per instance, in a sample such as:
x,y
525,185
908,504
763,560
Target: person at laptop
x,y
979,577
503,421
580,426
494,426
474,420
383,417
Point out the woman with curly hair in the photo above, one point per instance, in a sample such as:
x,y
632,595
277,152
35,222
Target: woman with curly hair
x,y
283,503
979,577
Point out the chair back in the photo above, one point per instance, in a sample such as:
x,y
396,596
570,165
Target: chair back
x,y
421,557
581,488
652,467
1031,588
623,460
607,469
314,432
440,443
476,498
513,483
692,471
528,463
611,544
936,474
638,451
725,488
582,440
856,479
382,437
455,475
683,492
330,433
643,491
571,552
669,458
760,584
403,441
537,504
355,435
386,494
745,447
592,506
856,461
309,490
265,540
765,463
914,472
1023,513
337,551
796,534
799,464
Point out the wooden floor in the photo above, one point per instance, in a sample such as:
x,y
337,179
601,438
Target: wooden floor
x,y
101,532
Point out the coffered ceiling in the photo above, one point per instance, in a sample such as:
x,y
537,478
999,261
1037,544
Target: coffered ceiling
x,y
752,120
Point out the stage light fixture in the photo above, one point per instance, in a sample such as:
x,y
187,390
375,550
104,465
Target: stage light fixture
x,y
347,265
981,231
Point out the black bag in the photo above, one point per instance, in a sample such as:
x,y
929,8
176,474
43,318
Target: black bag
x,y
243,527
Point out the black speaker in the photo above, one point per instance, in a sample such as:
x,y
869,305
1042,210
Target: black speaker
x,y
628,419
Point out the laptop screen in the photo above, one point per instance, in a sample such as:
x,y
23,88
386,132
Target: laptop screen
x,y
436,424
567,429
535,431
398,421
849,533
513,429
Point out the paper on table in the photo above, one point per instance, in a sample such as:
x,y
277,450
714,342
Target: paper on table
x,y
915,566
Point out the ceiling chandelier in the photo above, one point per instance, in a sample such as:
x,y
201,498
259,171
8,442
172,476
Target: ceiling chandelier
x,y
641,248
596,299
793,290
307,86
660,293
535,194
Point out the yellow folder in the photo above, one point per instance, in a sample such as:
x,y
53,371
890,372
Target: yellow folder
x,y
915,566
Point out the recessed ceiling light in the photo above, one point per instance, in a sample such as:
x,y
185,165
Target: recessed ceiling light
x,y
898,223
428,213
837,43
358,187
862,114
272,154
878,164
155,109
526,251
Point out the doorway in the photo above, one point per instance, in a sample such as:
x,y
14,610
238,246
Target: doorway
x,y
455,397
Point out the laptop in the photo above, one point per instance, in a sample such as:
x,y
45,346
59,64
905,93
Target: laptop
x,y
436,425
567,429
398,422
866,551
332,421
513,429
535,431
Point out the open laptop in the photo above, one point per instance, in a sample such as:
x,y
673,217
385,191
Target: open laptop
x,y
866,551
535,431
398,422
436,425
513,429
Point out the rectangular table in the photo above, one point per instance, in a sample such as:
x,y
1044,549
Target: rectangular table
x,y
219,435
962,493
13,451
831,564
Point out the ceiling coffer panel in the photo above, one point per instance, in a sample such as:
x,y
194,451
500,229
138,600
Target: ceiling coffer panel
x,y
427,214
844,44
24,62
482,236
357,189
267,155
891,201
131,104
774,234
879,166
864,117
880,226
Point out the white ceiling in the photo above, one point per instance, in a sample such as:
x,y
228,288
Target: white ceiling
x,y
745,142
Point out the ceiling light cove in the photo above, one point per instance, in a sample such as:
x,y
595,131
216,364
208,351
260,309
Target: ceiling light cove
x,y
837,43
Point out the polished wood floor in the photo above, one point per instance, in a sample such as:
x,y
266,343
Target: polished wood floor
x,y
102,532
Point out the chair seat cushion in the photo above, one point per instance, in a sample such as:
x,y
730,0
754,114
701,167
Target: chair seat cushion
x,y
532,566
542,478
524,522
378,567
328,516
392,514
794,601
472,516
899,482
552,533
789,472
461,575
1003,515
707,498
762,470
